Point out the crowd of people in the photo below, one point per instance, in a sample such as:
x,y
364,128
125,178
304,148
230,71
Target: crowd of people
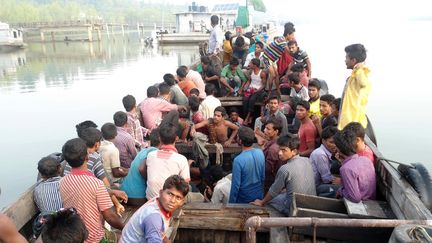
x,y
311,143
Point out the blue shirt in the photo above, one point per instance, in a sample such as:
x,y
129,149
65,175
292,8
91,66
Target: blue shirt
x,y
248,177
134,184
321,163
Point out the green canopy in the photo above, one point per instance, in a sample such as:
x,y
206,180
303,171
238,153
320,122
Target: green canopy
x,y
242,17
258,5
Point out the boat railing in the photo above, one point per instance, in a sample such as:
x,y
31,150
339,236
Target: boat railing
x,y
254,223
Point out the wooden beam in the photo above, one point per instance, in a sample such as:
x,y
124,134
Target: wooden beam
x,y
23,209
183,148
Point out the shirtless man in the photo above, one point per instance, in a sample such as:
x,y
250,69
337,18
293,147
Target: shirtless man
x,y
220,127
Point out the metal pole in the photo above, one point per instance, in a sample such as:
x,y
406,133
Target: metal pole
x,y
255,222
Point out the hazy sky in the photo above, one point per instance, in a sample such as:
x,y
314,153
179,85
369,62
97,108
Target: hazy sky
x,y
364,9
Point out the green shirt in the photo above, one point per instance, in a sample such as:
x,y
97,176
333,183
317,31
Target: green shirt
x,y
227,73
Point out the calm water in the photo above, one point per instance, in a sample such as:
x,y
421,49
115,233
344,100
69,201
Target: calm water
x,y
46,89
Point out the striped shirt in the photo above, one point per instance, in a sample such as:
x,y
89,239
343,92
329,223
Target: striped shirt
x,y
161,164
88,195
94,166
136,130
126,146
149,224
47,195
294,176
273,51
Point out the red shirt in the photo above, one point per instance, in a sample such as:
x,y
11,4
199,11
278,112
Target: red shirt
x,y
83,191
307,133
367,152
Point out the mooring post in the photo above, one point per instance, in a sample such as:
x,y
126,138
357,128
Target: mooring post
x,y
107,29
90,34
99,34
42,35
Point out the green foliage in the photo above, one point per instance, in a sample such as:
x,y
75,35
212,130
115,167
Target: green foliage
x,y
127,11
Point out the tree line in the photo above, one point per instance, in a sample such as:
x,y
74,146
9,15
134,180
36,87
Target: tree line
x,y
121,11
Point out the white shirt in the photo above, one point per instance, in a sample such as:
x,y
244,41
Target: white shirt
x,y
215,40
195,77
208,105
222,190
110,158
249,58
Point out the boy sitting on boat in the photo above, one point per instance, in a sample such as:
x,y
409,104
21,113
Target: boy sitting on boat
x,y
219,126
296,175
357,172
151,222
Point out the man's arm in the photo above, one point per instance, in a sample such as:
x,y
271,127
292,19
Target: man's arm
x,y
310,148
8,231
200,125
153,227
263,76
119,172
112,218
321,164
234,132
309,67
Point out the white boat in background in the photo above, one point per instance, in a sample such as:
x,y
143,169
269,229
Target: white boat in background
x,y
10,38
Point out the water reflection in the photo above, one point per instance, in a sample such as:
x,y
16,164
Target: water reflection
x,y
60,64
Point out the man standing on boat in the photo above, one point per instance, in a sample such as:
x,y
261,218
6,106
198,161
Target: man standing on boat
x,y
216,36
357,88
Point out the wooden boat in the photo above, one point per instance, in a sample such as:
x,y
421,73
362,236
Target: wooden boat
x,y
206,222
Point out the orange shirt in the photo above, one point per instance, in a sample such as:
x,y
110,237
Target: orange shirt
x,y
186,86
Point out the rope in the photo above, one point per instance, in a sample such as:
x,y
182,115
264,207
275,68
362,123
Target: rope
x,y
420,234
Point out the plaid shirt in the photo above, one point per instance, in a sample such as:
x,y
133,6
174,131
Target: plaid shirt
x,y
126,146
136,130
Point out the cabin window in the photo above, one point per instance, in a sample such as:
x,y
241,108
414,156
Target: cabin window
x,y
15,34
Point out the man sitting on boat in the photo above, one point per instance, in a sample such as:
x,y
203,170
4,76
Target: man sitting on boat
x,y
272,130
153,106
124,142
151,222
361,148
327,119
232,76
322,159
218,128
357,172
296,175
299,57
248,170
271,110
162,163
184,72
110,154
81,190
209,104
307,132
134,127
135,184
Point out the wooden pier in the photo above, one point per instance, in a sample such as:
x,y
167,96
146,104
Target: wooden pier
x,y
92,30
